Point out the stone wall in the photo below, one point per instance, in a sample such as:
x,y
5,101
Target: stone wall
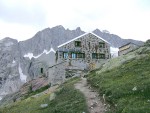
x,y
89,45
56,73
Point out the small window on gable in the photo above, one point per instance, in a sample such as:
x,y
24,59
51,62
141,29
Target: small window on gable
x,y
65,55
101,44
77,43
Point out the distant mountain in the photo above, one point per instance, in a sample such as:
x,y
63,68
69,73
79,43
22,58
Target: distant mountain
x,y
115,40
52,37
16,67
47,38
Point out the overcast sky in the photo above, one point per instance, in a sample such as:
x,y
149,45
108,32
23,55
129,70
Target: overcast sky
x,y
21,19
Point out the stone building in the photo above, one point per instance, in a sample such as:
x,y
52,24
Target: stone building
x,y
73,58
127,48
85,51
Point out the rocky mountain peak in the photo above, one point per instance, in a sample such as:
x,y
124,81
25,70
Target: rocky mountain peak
x,y
8,39
98,31
105,31
59,27
78,29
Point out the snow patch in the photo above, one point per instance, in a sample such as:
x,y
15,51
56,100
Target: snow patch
x,y
114,52
14,62
0,98
30,55
22,76
47,52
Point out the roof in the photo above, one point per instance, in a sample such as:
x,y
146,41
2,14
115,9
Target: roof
x,y
82,36
128,44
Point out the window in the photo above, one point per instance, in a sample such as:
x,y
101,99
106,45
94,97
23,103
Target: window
x,y
77,43
77,55
74,55
101,56
101,44
65,55
98,56
94,55
80,55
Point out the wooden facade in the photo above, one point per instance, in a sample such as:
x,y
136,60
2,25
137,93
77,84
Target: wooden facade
x,y
127,48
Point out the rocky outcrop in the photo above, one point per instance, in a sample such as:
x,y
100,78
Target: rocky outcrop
x,y
26,89
9,61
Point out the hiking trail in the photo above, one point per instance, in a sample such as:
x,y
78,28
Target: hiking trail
x,y
93,100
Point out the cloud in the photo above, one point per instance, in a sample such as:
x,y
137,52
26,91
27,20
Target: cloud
x,y
126,18
17,31
16,11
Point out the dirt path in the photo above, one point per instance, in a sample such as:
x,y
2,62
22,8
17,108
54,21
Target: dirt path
x,y
92,98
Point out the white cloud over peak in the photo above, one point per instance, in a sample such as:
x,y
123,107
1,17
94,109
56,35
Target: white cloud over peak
x,y
126,18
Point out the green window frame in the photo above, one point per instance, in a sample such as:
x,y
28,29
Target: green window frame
x,y
101,44
73,55
77,43
80,55
101,56
98,56
65,55
94,55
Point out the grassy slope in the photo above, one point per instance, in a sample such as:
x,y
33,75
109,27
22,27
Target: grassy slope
x,y
118,84
67,100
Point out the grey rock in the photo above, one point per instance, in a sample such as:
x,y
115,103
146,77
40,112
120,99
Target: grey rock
x,y
9,58
52,96
44,105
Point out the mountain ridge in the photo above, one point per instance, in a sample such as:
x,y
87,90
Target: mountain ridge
x,y
12,53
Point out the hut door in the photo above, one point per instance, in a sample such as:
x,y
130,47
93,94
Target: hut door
x,y
41,70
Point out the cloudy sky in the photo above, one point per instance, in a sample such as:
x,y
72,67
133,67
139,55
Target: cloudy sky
x,y
21,19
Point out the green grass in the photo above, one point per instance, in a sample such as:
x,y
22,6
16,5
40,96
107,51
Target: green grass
x,y
118,83
30,93
67,100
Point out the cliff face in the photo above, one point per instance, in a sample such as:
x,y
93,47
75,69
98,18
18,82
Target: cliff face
x,y
22,61
9,63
